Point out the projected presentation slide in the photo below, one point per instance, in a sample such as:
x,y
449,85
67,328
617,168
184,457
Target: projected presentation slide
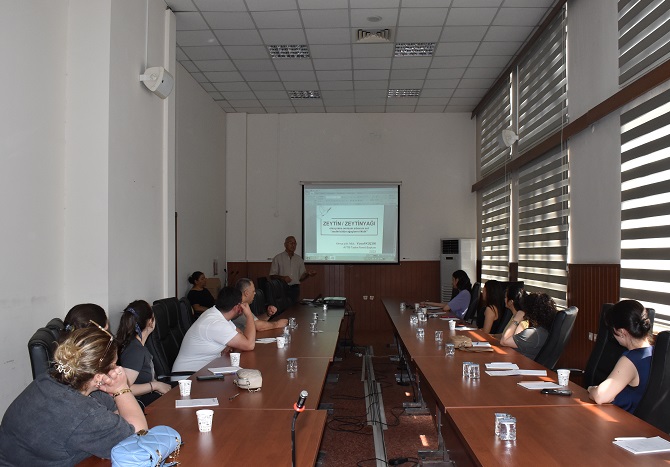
x,y
350,223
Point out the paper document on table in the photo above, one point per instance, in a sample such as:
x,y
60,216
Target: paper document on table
x,y
465,328
450,318
209,402
266,340
434,308
502,366
516,373
481,344
643,445
539,385
225,370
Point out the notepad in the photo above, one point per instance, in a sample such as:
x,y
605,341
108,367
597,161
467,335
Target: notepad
x,y
225,370
266,340
516,373
481,344
209,402
537,385
643,445
502,366
465,328
435,308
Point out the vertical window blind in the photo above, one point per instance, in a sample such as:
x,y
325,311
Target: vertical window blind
x,y
645,205
495,117
495,231
644,36
544,204
542,85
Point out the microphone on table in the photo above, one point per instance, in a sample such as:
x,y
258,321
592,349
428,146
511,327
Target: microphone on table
x,y
298,407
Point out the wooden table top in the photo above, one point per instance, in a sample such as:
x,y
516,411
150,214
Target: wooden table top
x,y
554,435
240,437
304,314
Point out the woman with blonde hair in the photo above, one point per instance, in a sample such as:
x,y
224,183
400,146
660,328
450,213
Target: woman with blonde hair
x,y
82,408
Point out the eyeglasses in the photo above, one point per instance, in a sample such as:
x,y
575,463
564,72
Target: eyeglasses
x,y
109,344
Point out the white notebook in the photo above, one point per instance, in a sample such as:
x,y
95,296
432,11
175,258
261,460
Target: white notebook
x,y
539,385
209,402
643,445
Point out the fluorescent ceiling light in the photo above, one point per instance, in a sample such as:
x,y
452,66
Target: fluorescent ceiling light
x,y
304,94
288,51
416,49
404,92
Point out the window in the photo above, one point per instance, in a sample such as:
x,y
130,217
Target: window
x,y
495,231
544,203
645,204
495,117
644,36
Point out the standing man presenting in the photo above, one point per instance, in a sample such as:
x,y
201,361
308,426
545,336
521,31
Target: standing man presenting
x,y
290,268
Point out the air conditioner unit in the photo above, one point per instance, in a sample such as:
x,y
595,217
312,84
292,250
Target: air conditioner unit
x,y
455,254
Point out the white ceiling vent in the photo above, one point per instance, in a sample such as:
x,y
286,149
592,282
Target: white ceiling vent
x,y
372,37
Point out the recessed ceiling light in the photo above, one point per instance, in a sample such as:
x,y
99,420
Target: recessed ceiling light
x,y
288,51
404,92
414,49
304,94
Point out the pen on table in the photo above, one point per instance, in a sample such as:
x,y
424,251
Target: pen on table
x,y
626,438
233,397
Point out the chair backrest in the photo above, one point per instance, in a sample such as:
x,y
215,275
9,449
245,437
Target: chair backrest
x,y
606,352
56,324
276,293
258,306
165,340
186,314
506,316
41,347
471,312
559,335
213,284
654,408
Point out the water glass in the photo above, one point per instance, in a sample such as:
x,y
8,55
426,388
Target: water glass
x,y
450,350
420,333
292,323
466,369
498,417
507,429
316,316
312,327
402,306
421,317
287,336
417,307
414,320
452,324
292,365
473,371
438,336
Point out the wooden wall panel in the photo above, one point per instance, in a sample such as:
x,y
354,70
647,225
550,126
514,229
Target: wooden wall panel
x,y
408,281
589,286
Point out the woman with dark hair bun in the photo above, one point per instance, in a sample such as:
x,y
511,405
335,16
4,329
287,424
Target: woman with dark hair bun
x,y
82,408
630,325
80,316
459,304
200,298
137,323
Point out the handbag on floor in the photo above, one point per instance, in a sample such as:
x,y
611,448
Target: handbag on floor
x,y
150,448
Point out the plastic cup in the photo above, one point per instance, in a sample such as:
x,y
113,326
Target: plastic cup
x,y
563,377
312,327
281,342
235,359
185,387
420,333
451,348
507,431
316,316
402,306
292,365
438,336
205,417
417,307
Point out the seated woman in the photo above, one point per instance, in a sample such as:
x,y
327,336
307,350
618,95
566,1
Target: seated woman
x,y
513,297
459,304
539,309
625,386
81,316
493,295
200,298
137,323
67,415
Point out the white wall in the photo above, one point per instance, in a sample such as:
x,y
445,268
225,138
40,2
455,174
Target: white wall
x,y
32,145
201,198
431,154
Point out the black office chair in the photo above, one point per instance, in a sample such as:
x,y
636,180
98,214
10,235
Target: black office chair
x,y
654,408
506,316
606,352
276,293
258,306
471,313
559,335
164,342
57,326
41,348
186,314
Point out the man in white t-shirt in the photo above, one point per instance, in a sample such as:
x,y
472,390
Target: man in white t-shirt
x,y
214,330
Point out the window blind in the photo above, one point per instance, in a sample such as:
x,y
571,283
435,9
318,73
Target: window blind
x,y
544,204
645,205
644,36
495,117
495,231
542,86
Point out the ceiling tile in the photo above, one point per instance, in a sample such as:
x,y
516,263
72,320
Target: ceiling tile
x,y
429,109
433,101
482,72
247,51
422,16
285,102
335,85
441,83
499,48
218,5
389,18
233,86
437,93
195,38
375,3
267,86
181,55
445,73
307,103
371,94
264,5
372,63
215,65
456,61
330,51
280,110
339,102
491,61
255,65
244,103
336,109
332,64
406,84
508,33
416,73
411,62
205,53
337,75
371,74
519,16
418,34
478,93
371,84
218,76
239,37
471,16
328,36
402,101
322,4
476,3
271,95
369,109
180,5
208,86
456,48
426,3
373,50
325,18
260,75
190,21
277,19
233,95
337,94
199,77
283,36
293,64
463,33
297,75
464,101
190,66
528,3
309,110
301,85
229,20
483,83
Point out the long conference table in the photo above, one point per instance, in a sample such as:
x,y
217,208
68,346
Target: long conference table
x,y
254,428
551,430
